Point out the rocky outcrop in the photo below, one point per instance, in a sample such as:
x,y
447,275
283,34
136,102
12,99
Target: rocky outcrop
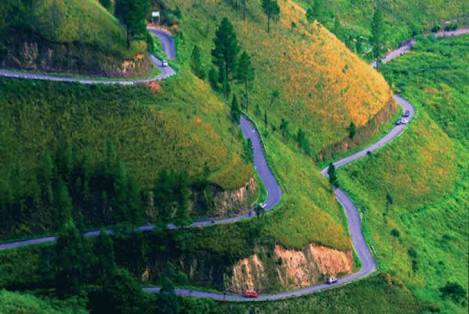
x,y
235,201
36,54
288,269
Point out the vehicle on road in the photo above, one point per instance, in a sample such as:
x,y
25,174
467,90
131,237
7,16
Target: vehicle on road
x,y
402,121
164,63
406,114
250,294
331,280
263,205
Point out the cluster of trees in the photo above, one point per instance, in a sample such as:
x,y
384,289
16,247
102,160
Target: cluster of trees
x,y
94,268
70,185
132,14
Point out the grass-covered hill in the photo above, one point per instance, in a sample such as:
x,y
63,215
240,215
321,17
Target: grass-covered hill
x,y
414,192
67,35
322,87
352,19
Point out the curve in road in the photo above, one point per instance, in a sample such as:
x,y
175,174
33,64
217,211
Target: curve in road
x,y
165,71
273,191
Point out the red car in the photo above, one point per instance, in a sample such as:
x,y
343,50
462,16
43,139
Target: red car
x,y
250,294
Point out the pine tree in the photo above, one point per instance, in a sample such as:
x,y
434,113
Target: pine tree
x,y
271,10
104,252
234,110
352,130
62,204
196,63
245,75
377,34
225,53
70,261
332,175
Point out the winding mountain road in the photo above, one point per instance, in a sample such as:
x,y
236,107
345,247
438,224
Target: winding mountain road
x,y
274,193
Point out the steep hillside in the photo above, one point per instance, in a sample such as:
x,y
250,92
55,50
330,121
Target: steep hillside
x,y
73,36
175,129
322,86
27,304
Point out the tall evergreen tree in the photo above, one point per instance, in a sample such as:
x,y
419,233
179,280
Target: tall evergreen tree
x,y
245,75
225,53
271,10
332,174
235,111
62,204
377,35
70,261
316,11
352,129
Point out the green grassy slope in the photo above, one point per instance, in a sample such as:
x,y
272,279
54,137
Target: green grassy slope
x,y
416,212
11,303
82,31
402,18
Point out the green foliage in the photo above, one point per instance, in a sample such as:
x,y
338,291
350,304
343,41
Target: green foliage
x,y
271,10
331,173
196,63
377,33
14,303
454,291
245,75
225,53
235,110
120,293
70,261
352,129
132,13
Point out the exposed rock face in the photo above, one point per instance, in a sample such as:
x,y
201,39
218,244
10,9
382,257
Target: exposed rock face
x,y
40,55
247,274
288,269
236,201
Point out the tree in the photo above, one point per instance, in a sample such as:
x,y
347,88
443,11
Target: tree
x,y
332,174
62,204
303,141
107,4
104,252
284,127
352,129
167,302
274,95
196,63
377,35
316,12
454,291
245,75
132,13
225,53
70,261
235,111
271,10
120,293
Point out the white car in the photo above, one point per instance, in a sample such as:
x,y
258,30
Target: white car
x,y
331,280
164,63
263,205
